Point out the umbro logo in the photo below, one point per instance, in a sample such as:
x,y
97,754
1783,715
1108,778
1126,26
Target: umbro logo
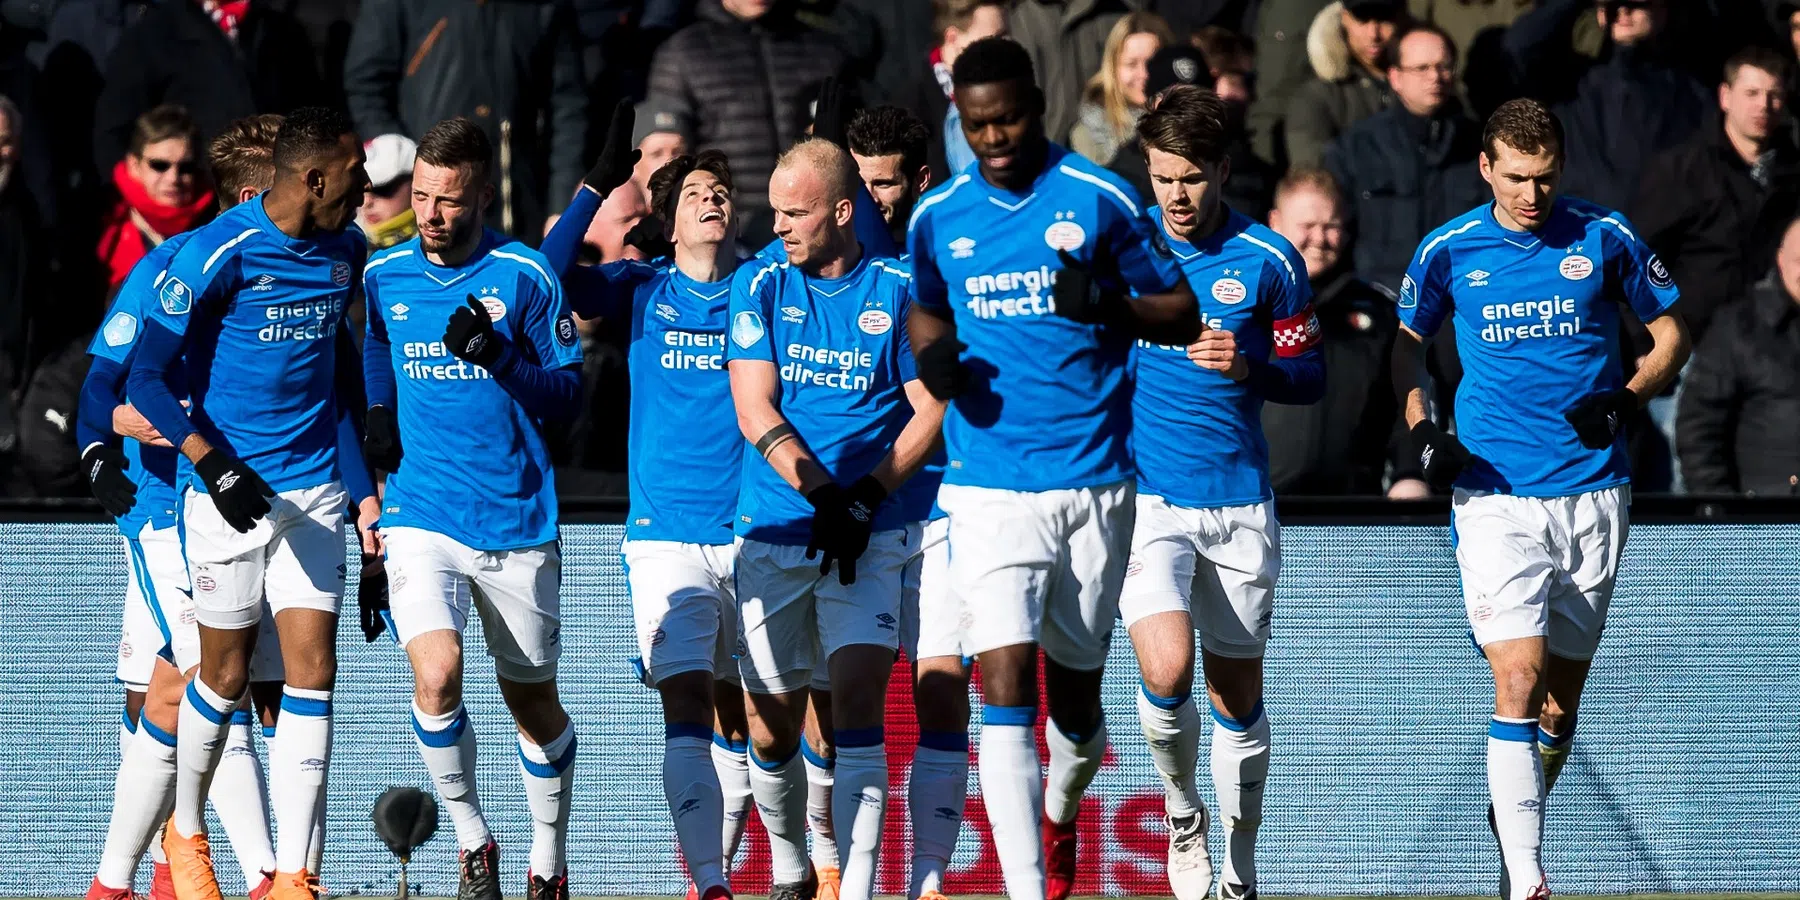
x,y
667,312
399,310
225,482
962,248
687,806
1477,278
793,314
264,282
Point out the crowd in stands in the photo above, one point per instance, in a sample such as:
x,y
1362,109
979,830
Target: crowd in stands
x,y
1356,131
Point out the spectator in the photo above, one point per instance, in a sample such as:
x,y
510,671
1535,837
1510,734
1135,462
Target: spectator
x,y
660,134
1738,428
1252,182
1470,23
1067,43
514,68
1230,58
1713,208
1114,98
1411,167
162,189
1340,445
1282,29
1349,84
386,216
743,76
958,23
220,59
20,265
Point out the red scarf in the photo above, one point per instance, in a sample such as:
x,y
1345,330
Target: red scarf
x,y
227,14
123,241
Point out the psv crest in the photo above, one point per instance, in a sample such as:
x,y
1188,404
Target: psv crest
x,y
340,273
1065,233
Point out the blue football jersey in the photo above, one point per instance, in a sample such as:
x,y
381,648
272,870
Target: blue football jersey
x,y
260,311
152,469
1049,406
1537,325
840,350
683,443
476,466
1197,436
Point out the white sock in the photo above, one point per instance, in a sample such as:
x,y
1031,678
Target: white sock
x,y
935,790
1172,731
1240,766
780,790
447,744
695,803
141,796
237,798
549,771
204,719
731,762
860,803
1012,789
297,763
315,846
1516,785
821,773
1073,765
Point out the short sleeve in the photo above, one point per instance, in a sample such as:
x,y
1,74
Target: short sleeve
x,y
928,288
1640,275
1144,258
202,272
752,293
547,323
118,335
1425,291
909,370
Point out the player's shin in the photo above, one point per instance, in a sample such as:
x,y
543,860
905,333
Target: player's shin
x,y
935,791
1074,761
1172,731
1240,767
731,762
237,798
695,802
447,744
204,720
141,795
1516,786
1012,789
821,781
859,805
297,763
780,789
549,770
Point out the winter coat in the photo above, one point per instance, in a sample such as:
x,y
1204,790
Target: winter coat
x,y
510,65
137,223
1282,67
1066,40
748,88
1340,94
1094,136
1626,109
1737,429
1402,176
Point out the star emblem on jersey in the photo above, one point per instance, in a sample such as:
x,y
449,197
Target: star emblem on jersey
x,y
962,248
1065,233
120,329
399,310
340,274
176,298
1229,291
1477,278
667,312
793,314
1575,268
746,329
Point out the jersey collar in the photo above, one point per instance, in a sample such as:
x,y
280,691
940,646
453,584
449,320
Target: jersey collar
x,y
1009,200
831,287
260,218
1234,223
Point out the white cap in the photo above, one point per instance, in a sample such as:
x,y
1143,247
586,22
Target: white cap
x,y
389,158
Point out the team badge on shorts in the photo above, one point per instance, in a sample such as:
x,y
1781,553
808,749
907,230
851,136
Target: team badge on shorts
x,y
340,273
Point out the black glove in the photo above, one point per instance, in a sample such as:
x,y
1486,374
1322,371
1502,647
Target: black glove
x,y
1441,456
1078,293
941,368
841,524
240,494
470,335
381,439
105,469
1599,418
372,598
647,235
617,157
831,116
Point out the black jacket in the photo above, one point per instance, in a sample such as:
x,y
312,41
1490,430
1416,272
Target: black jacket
x,y
1737,429
1712,223
511,65
1624,110
1401,177
175,54
924,97
1343,443
747,87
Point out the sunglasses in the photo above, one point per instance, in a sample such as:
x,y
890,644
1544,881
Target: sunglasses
x,y
185,167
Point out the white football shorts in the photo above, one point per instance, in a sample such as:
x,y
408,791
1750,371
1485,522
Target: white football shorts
x,y
683,602
1540,566
159,614
1040,567
931,621
792,619
293,557
1218,564
433,579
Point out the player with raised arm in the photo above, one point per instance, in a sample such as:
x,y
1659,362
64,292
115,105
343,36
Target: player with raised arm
x,y
823,382
1024,267
685,453
470,349
1535,283
247,322
1206,549
137,482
